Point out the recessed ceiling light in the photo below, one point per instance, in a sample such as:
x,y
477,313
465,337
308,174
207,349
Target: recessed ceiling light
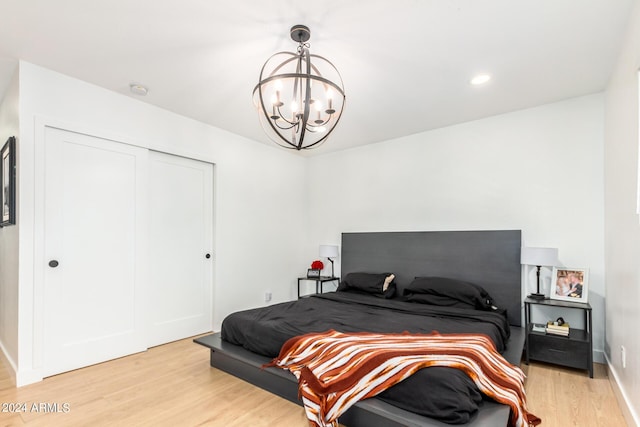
x,y
138,89
480,79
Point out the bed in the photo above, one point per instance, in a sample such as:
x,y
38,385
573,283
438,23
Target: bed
x,y
488,259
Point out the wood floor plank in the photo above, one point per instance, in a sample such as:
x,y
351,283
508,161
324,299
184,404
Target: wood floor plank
x,y
565,397
173,385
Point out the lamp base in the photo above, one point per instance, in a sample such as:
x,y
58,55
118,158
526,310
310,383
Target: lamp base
x,y
537,296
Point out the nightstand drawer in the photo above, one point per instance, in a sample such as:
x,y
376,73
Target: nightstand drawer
x,y
559,350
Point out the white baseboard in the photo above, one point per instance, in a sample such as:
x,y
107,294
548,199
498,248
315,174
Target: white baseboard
x,y
18,378
28,377
7,361
628,411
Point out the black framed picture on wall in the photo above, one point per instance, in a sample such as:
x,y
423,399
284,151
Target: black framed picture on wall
x,y
8,182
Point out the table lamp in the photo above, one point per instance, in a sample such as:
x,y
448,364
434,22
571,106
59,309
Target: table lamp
x,y
538,257
329,251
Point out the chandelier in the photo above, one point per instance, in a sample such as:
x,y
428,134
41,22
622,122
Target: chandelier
x,y
300,96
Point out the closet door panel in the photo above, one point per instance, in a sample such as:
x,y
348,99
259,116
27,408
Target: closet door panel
x,y
95,249
180,249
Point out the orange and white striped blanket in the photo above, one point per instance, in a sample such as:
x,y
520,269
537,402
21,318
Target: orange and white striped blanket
x,y
336,370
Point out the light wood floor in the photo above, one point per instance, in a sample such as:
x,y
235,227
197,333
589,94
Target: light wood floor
x,y
173,385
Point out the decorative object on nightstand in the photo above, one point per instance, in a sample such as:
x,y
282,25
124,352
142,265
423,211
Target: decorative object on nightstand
x,y
315,270
547,257
559,327
329,251
570,284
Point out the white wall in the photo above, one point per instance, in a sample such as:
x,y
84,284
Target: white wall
x,y
622,228
539,170
9,126
259,191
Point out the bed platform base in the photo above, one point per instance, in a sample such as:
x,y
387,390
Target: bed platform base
x,y
246,365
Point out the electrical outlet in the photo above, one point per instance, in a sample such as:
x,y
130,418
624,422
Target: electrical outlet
x,y
267,296
623,356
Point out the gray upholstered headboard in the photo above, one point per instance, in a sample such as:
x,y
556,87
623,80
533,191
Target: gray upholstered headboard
x,y
490,259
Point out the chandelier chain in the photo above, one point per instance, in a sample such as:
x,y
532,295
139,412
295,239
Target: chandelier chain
x,y
302,46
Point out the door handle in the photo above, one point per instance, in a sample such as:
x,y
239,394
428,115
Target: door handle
x,y
53,263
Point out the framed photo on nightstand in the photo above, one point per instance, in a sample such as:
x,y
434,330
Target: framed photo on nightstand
x,y
313,274
570,284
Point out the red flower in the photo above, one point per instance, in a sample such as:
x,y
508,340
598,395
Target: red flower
x,y
317,265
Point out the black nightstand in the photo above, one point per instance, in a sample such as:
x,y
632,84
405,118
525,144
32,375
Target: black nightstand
x,y
320,281
575,351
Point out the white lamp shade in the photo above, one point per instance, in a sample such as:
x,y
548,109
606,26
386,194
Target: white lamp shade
x,y
328,251
539,256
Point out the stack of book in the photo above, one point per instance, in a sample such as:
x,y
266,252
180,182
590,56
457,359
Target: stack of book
x,y
555,329
539,327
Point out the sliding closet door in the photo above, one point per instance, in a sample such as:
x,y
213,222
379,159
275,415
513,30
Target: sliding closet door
x,y
95,250
180,249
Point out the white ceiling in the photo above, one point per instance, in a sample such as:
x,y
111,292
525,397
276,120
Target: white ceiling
x,y
406,64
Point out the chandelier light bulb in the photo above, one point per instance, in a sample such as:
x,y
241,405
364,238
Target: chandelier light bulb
x,y
330,110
